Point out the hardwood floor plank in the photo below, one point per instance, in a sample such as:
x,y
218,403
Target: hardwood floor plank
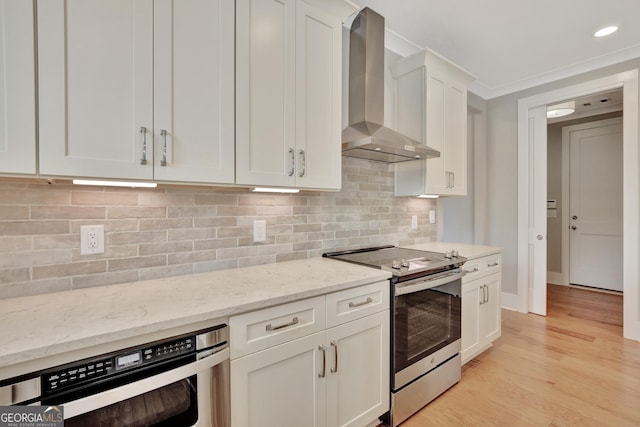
x,y
570,368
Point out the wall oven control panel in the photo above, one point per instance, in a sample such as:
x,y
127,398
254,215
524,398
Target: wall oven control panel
x,y
91,370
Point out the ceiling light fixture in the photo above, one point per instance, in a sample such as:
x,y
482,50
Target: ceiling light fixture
x,y
560,110
131,184
274,190
606,31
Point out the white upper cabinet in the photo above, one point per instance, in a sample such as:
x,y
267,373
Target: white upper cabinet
x,y
17,88
95,70
288,94
193,89
136,89
431,106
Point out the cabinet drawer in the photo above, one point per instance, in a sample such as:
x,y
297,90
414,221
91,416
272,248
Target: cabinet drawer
x,y
492,264
258,330
472,270
351,304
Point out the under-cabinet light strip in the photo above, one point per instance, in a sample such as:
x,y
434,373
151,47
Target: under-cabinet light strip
x,y
131,184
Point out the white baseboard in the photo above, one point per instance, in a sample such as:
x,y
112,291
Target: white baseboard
x,y
509,301
555,278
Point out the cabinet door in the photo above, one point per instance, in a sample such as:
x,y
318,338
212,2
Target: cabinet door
x,y
318,98
455,158
358,371
471,319
193,89
491,314
437,178
280,386
17,88
265,92
95,73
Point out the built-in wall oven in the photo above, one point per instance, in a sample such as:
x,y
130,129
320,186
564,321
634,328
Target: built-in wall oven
x,y
426,289
181,381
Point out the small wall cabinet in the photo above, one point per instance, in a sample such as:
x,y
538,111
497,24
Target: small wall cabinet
x,y
318,362
137,90
481,317
288,94
431,107
17,88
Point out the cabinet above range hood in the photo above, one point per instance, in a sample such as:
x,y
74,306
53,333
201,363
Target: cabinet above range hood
x,y
366,137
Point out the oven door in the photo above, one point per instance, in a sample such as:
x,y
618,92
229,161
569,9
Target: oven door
x,y
427,324
195,394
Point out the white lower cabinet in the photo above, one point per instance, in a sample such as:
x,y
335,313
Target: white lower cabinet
x,y
481,317
336,377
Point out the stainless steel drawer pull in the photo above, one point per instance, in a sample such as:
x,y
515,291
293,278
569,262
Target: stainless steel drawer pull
x,y
143,133
475,270
324,361
358,304
303,157
292,165
493,264
335,367
294,321
163,134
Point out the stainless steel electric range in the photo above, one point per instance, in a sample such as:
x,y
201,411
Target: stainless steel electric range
x,y
426,291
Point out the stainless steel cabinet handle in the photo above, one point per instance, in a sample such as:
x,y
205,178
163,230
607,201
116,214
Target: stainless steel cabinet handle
x,y
453,179
303,169
358,304
324,361
292,168
493,264
487,288
143,133
294,321
475,270
335,368
163,134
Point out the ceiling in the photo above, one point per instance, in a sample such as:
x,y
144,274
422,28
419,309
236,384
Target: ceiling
x,y
513,45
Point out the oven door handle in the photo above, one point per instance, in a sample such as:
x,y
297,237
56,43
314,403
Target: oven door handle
x,y
127,391
428,282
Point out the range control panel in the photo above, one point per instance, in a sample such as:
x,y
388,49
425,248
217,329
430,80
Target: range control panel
x,y
93,369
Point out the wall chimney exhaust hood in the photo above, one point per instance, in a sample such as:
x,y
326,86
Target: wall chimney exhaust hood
x,y
366,137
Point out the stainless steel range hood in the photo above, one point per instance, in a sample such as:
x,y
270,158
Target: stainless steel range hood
x,y
366,137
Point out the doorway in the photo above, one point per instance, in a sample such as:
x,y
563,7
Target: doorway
x,y
532,200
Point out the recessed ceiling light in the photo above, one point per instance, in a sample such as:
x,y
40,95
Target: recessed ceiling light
x,y
606,31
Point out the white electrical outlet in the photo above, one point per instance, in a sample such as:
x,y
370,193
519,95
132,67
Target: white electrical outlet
x,y
91,239
414,222
432,217
259,231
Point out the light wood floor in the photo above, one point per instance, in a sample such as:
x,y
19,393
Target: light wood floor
x,y
570,368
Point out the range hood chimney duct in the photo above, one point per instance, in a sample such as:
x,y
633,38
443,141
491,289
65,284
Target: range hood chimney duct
x,y
366,137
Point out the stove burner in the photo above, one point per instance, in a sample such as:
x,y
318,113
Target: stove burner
x,y
400,261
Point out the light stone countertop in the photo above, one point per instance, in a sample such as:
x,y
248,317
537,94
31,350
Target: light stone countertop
x,y
38,329
464,249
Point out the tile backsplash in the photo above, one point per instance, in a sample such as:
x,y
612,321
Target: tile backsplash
x,y
180,230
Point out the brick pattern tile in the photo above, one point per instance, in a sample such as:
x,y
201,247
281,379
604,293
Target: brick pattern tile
x,y
175,230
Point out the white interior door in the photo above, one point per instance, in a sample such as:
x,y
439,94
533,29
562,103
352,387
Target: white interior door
x,y
537,192
595,237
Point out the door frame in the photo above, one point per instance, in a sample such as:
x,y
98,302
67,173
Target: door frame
x,y
566,181
631,196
